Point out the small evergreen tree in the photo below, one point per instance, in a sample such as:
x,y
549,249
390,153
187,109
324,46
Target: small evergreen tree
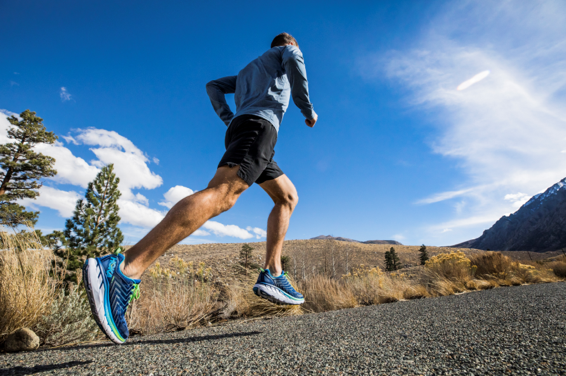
x,y
21,167
395,259
392,261
93,230
423,257
246,256
388,261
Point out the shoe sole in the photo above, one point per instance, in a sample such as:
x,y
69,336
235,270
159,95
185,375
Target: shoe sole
x,y
275,295
97,295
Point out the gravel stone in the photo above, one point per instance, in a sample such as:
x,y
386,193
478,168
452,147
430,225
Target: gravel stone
x,y
505,331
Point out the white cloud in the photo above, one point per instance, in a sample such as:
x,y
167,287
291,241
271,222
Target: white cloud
x,y
64,94
70,169
259,233
507,132
138,214
62,201
443,196
70,139
4,126
477,78
399,237
141,199
175,194
155,160
130,165
517,199
487,219
234,231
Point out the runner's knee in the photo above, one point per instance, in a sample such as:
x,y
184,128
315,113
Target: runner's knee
x,y
288,200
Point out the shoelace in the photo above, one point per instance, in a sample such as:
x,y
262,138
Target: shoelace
x,y
135,293
287,283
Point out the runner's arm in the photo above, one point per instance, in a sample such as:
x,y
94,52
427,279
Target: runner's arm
x,y
216,90
297,74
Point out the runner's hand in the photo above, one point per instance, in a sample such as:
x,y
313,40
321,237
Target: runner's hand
x,y
311,122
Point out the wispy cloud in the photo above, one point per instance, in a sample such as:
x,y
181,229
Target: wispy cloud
x,y
443,196
65,95
474,80
507,128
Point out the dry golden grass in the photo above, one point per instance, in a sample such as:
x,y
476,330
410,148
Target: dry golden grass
x,y
309,258
331,275
26,290
325,294
199,285
174,306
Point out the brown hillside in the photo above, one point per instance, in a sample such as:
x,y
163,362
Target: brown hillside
x,y
308,257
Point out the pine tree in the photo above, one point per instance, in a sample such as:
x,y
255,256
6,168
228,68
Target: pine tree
x,y
392,261
388,261
93,230
246,256
395,262
21,167
423,254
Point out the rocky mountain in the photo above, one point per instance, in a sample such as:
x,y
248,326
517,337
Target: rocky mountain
x,y
538,226
339,238
394,242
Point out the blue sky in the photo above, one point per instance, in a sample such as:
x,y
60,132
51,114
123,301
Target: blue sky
x,y
398,152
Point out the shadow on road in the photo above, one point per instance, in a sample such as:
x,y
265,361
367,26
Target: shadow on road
x,y
37,369
158,341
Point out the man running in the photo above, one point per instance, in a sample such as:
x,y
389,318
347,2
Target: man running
x,y
262,90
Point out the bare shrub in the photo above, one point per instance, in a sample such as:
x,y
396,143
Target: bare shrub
x,y
69,320
491,264
559,269
454,266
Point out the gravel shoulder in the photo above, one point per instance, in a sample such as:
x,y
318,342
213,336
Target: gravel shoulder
x,y
505,331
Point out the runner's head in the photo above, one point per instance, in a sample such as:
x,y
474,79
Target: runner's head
x,y
284,39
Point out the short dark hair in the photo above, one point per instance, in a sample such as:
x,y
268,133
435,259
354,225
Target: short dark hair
x,y
283,39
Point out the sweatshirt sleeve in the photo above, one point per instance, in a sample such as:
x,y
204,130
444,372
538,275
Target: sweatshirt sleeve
x,y
294,65
216,90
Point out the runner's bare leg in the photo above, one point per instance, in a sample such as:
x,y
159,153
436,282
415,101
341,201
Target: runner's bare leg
x,y
187,216
284,195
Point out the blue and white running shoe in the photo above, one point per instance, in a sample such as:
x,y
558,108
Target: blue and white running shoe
x,y
276,289
109,294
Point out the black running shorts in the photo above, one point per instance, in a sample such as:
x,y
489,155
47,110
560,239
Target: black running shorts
x,y
250,142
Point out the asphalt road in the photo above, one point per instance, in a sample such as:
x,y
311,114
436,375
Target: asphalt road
x,y
505,331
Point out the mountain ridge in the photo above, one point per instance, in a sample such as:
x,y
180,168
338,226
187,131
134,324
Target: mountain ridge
x,y
339,238
537,226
